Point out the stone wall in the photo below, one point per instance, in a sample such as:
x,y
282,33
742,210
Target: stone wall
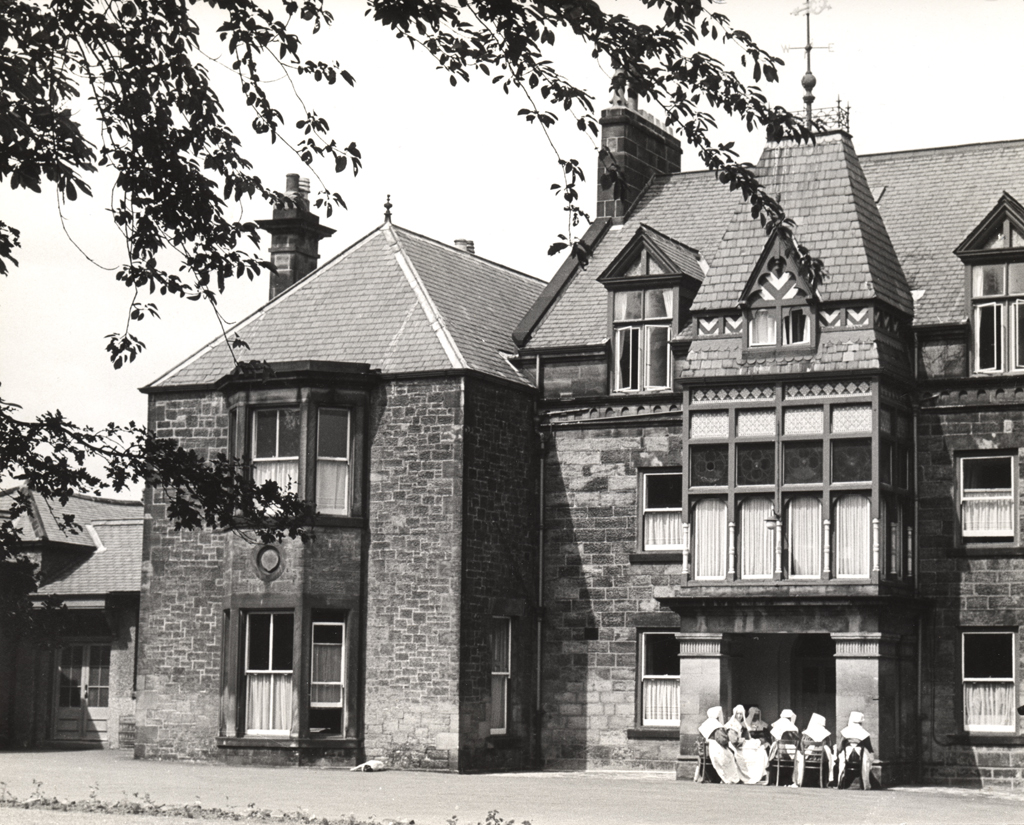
x,y
970,585
414,563
597,601
500,512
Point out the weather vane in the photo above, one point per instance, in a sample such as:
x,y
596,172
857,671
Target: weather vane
x,y
809,80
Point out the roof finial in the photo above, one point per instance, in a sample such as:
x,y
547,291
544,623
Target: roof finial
x,y
808,81
387,210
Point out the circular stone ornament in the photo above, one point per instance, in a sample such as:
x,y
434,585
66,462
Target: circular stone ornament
x,y
269,562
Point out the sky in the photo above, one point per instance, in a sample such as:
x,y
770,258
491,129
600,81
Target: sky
x,y
458,163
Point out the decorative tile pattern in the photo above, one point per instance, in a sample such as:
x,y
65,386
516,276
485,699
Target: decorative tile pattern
x,y
858,317
833,318
851,418
825,390
709,424
804,421
733,326
707,327
755,422
717,396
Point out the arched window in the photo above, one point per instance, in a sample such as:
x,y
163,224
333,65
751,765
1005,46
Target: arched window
x,y
710,528
852,536
803,536
756,539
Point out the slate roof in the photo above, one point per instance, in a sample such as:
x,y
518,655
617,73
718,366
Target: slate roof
x,y
823,188
396,300
104,556
930,200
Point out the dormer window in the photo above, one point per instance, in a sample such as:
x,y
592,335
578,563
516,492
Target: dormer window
x,y
994,255
778,314
642,321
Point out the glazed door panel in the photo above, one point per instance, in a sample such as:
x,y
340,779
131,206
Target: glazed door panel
x,y
83,693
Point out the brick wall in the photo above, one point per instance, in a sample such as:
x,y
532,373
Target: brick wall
x,y
414,563
969,588
596,600
500,513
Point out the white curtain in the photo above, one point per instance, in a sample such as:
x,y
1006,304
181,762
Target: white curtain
x,y
852,530
499,702
326,678
268,703
803,536
987,515
709,535
757,542
332,486
283,471
762,327
663,530
988,705
661,700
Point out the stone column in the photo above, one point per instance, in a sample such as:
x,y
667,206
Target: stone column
x,y
867,681
705,680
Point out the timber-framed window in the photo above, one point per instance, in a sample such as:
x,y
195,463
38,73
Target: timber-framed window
x,y
989,680
987,494
659,679
642,321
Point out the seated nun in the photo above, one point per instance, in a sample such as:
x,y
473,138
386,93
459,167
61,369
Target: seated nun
x,y
757,728
815,743
785,741
751,755
720,749
856,755
736,727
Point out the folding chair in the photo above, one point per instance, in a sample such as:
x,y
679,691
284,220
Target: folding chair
x,y
815,759
783,754
705,770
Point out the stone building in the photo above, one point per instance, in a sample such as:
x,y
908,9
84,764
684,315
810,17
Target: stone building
x,y
748,483
82,691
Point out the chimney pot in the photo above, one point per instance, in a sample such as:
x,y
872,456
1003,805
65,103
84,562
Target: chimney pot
x,y
291,183
466,246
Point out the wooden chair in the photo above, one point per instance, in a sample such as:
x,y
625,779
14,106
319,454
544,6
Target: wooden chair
x,y
705,770
783,754
815,759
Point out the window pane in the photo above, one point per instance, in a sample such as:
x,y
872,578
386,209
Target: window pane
x,y
332,434
709,424
989,706
628,341
1016,272
328,634
802,463
282,641
988,280
259,642
709,466
755,464
851,418
1018,340
288,444
709,538
885,463
804,421
500,645
762,327
851,460
756,540
994,241
658,303
989,336
657,356
803,535
628,306
755,422
664,490
995,473
265,425
988,655
661,654
852,535
795,327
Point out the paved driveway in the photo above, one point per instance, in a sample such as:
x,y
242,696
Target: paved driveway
x,y
592,798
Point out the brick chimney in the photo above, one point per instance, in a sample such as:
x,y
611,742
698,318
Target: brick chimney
x,y
295,235
637,146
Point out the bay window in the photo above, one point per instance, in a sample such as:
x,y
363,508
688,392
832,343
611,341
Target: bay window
x,y
989,681
332,470
275,447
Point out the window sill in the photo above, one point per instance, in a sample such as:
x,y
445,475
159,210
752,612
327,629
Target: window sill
x,y
984,551
656,557
1008,740
279,742
653,733
504,741
323,520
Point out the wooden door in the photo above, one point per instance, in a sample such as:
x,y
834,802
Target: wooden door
x,y
83,693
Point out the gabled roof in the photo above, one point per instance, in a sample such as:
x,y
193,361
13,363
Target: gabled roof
x,y
668,255
930,200
822,187
395,300
103,556
1006,207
